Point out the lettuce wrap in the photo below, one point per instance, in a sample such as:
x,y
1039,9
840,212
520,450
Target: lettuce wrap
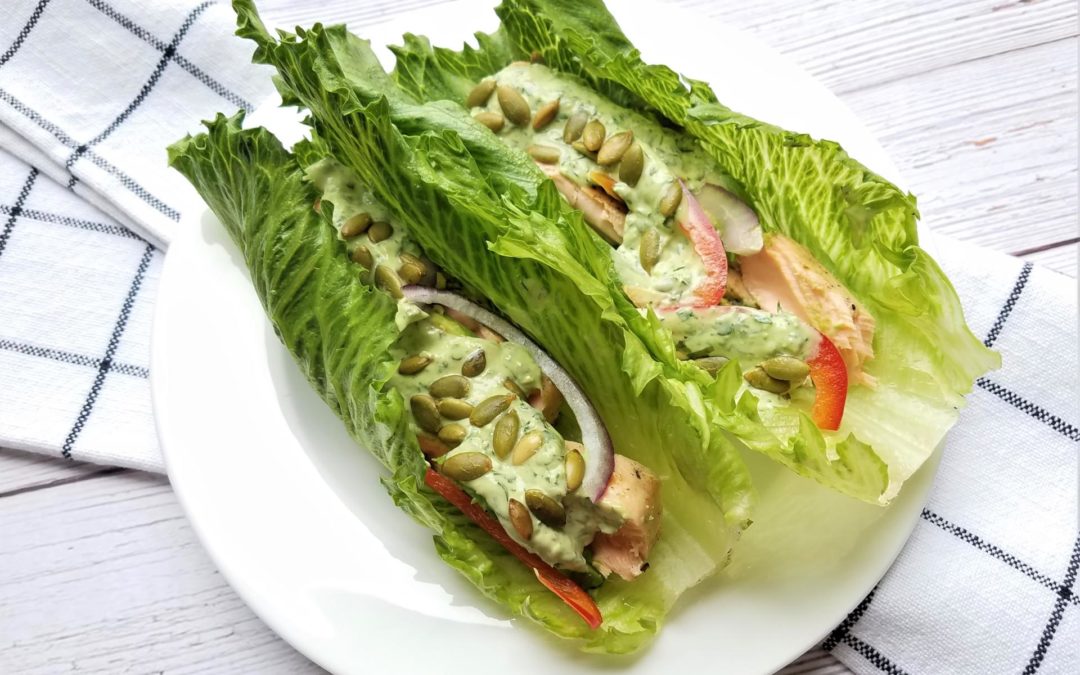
x,y
342,330
860,227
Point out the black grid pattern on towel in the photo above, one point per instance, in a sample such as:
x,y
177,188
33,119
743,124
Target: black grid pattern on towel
x,y
105,365
71,357
179,59
170,53
166,56
1063,593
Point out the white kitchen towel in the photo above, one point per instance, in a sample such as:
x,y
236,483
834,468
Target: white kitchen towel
x,y
90,94
93,86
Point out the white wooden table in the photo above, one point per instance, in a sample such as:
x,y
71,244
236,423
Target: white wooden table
x,y
976,100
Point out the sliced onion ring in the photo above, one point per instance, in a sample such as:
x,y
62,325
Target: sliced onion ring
x,y
600,459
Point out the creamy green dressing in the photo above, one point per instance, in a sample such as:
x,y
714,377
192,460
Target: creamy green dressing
x,y
546,470
742,333
668,156
342,188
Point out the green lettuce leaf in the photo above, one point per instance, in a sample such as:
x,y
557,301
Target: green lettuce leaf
x,y
858,224
508,236
339,331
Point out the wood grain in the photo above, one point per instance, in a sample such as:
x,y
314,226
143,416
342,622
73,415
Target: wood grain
x,y
987,146
115,557
23,471
852,45
1064,258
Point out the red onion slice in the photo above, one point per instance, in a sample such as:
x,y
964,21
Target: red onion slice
x,y
739,227
600,454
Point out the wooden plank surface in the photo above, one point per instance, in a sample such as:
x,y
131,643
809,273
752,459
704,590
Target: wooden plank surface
x,y
23,471
115,557
976,100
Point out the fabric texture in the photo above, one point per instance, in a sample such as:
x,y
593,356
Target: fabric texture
x,y
91,92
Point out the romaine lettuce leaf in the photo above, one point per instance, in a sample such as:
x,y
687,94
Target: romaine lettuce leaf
x,y
508,236
858,224
339,331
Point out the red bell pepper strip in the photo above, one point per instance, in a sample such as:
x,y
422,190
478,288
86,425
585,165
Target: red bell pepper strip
x,y
829,373
707,244
558,583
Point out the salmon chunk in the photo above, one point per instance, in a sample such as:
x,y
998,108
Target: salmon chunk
x,y
786,275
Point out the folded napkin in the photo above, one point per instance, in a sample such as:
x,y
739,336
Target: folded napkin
x,y
91,92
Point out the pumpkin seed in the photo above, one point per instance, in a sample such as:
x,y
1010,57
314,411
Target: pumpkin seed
x,y
440,281
431,446
547,510
380,231
575,470
711,364
362,255
491,120
450,386
669,202
649,249
786,368
615,147
513,387
632,164
759,379
454,408
545,154
593,135
413,364
474,363
425,413
574,126
513,105
427,268
356,225
453,434
388,280
580,147
505,434
526,447
521,519
480,94
411,273
466,466
545,114
489,409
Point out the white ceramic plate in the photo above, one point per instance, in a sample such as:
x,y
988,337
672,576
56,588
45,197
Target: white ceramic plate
x,y
293,514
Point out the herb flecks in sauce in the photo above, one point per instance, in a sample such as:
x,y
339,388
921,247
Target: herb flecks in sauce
x,y
666,156
545,470
747,335
444,346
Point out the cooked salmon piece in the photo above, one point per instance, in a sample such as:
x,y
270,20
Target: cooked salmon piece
x,y
786,275
634,492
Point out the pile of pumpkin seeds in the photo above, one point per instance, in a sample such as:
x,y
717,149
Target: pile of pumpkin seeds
x,y
411,269
587,136
445,418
